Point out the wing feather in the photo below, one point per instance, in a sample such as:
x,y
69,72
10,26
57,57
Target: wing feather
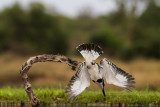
x,y
115,75
79,82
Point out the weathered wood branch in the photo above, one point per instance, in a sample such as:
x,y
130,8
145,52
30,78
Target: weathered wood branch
x,y
41,58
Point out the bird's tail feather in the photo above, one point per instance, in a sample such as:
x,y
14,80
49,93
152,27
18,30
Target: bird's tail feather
x,y
90,51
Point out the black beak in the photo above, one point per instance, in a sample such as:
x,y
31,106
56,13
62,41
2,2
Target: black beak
x,y
103,92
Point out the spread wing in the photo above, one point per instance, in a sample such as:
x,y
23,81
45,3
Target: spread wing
x,y
115,75
78,82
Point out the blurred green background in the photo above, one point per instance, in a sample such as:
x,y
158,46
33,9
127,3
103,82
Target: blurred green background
x,y
124,34
121,32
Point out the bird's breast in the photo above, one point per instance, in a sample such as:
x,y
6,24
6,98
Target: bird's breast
x,y
94,73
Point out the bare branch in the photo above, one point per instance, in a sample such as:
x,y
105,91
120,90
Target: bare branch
x,y
41,58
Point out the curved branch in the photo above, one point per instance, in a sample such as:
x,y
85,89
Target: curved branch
x,y
41,58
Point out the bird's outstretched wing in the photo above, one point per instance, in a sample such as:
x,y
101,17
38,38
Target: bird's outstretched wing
x,y
78,82
115,75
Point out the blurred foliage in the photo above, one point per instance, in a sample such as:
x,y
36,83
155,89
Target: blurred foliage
x,y
121,33
108,41
32,30
146,40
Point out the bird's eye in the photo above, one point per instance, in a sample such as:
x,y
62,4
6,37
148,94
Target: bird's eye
x,y
99,80
92,63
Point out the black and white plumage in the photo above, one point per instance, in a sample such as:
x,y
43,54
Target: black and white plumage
x,y
115,75
78,82
90,70
90,50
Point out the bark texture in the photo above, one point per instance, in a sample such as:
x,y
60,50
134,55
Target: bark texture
x,y
41,58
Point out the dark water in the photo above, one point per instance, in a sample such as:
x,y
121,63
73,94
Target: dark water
x,y
77,105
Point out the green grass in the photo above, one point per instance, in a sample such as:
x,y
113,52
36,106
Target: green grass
x,y
50,95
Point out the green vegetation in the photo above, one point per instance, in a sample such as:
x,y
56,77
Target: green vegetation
x,y
31,31
50,95
122,33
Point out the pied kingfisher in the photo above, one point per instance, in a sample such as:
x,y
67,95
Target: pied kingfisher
x,y
90,70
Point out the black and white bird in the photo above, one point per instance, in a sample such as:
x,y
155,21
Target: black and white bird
x,y
90,70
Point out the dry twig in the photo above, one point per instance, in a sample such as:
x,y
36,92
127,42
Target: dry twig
x,y
41,58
